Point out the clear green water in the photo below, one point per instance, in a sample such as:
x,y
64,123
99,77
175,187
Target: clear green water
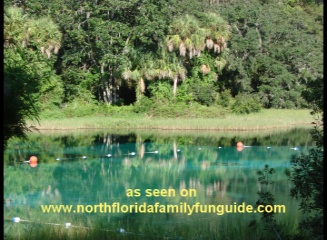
x,y
209,164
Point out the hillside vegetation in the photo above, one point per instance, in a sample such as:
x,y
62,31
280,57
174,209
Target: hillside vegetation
x,y
159,58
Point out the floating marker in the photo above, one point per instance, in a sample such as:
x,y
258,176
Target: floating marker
x,y
239,144
67,225
132,153
33,159
295,148
15,219
108,155
153,152
178,150
199,148
268,147
59,158
219,147
121,230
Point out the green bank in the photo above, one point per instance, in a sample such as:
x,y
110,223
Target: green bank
x,y
267,119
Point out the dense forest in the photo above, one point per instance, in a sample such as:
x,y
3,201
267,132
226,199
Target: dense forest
x,y
146,53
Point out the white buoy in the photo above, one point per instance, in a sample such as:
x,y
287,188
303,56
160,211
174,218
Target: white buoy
x,y
58,159
84,157
15,219
67,225
219,147
121,230
268,147
153,152
199,148
178,150
295,148
108,155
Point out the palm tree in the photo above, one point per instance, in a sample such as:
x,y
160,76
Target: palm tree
x,y
217,32
140,67
47,36
21,30
191,35
153,66
187,36
178,72
15,27
24,72
170,67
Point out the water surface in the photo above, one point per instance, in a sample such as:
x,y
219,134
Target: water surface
x,y
103,168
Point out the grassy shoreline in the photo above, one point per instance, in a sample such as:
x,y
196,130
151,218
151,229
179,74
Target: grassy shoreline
x,y
267,119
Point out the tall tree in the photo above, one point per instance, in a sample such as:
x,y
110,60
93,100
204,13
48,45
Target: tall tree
x,y
26,67
199,42
276,49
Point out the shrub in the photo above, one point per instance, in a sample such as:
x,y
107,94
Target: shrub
x,y
224,98
245,104
143,105
185,110
80,109
204,93
161,91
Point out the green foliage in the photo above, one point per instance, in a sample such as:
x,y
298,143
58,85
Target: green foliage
x,y
28,73
143,105
245,104
161,91
21,92
78,108
276,50
183,93
314,93
225,98
273,51
265,196
307,177
52,94
110,110
187,110
203,93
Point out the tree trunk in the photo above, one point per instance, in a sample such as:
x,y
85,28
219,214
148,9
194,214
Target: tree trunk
x,y
138,93
110,90
175,85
